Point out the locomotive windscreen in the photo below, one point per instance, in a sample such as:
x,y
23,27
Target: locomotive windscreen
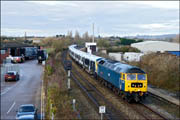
x,y
135,70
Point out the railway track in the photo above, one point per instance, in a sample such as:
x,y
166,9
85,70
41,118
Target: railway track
x,y
170,107
162,99
98,99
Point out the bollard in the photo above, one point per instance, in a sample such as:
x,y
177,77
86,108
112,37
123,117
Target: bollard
x,y
74,104
68,84
69,80
69,73
101,116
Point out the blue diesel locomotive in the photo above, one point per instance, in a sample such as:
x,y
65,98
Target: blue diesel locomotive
x,y
128,81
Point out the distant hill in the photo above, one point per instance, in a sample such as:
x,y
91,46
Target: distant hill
x,y
153,37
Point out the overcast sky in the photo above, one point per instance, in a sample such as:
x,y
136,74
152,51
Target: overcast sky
x,y
45,18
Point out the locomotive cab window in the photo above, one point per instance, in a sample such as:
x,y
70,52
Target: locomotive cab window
x,y
141,77
131,76
101,62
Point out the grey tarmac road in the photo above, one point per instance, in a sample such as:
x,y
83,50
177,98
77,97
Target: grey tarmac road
x,y
25,91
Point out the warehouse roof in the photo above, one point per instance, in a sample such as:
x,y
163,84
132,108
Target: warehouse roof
x,y
14,44
155,46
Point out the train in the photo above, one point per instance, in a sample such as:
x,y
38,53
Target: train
x,y
125,80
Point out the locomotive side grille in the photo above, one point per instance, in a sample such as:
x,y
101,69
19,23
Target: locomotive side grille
x,y
136,85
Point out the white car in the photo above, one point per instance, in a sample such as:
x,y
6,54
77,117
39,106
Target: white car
x,y
27,111
26,117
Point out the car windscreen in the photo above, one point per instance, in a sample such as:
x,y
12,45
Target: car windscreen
x,y
10,73
26,109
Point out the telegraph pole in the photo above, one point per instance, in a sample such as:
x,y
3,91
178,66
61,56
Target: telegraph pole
x,y
93,32
25,35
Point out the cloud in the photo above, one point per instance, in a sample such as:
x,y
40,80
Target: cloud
x,y
153,26
112,17
20,31
55,3
157,4
160,26
56,19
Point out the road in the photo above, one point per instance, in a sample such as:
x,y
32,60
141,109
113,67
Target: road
x,y
25,91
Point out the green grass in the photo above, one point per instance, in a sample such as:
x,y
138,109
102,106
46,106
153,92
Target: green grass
x,y
50,50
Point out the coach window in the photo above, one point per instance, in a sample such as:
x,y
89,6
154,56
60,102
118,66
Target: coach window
x,y
83,59
86,61
93,65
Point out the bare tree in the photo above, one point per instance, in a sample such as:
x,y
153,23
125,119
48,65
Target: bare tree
x,y
77,38
86,37
69,34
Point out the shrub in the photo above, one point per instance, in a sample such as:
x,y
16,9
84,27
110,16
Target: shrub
x,y
103,43
56,90
49,70
162,70
125,41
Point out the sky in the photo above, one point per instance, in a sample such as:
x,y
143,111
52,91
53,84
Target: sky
x,y
117,18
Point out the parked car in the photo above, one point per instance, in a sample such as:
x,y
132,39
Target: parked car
x,y
27,110
11,75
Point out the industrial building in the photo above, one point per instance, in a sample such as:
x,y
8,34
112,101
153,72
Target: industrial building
x,y
156,46
132,56
91,47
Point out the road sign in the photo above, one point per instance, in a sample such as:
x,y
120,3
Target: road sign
x,y
102,109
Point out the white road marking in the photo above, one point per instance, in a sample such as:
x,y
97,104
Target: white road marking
x,y
6,90
11,107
